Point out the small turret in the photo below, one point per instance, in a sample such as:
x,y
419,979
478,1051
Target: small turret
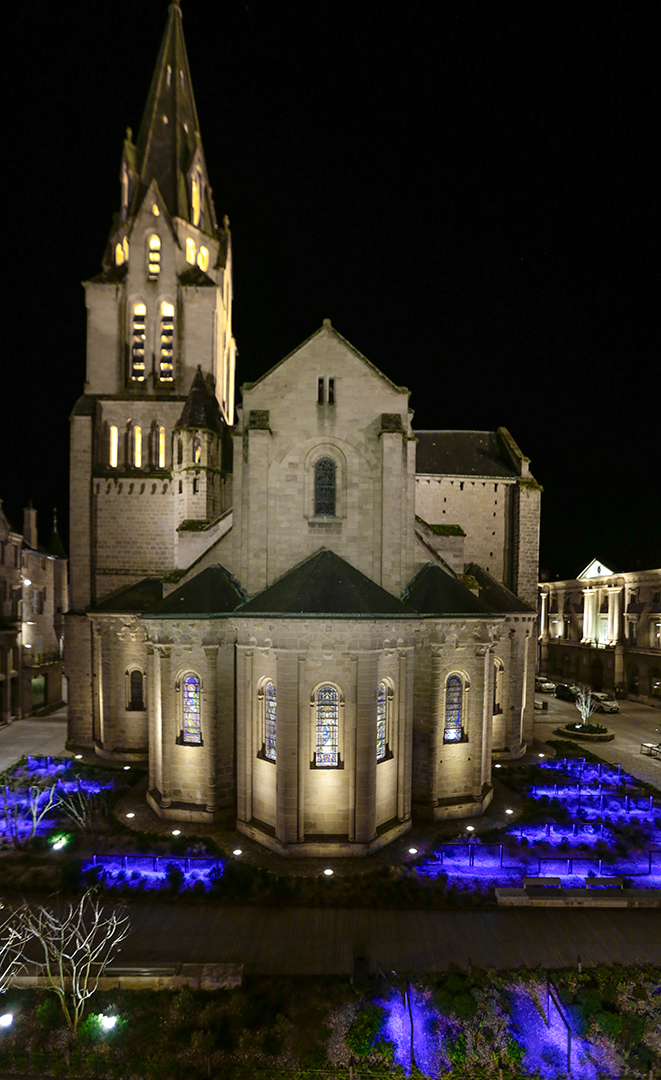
x,y
197,457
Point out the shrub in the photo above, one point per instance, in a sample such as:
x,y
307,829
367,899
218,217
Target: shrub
x,y
365,1029
49,1013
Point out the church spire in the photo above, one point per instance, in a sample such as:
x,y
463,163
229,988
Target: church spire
x,y
169,146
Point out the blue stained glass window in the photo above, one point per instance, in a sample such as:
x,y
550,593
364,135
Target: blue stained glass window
x,y
454,692
192,732
381,706
270,717
327,726
324,487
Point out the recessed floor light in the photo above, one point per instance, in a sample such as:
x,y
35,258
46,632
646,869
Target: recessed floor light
x,y
413,851
509,811
130,814
328,872
470,828
237,851
176,832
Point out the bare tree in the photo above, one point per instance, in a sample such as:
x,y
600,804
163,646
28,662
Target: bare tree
x,y
23,808
585,704
75,948
90,812
12,944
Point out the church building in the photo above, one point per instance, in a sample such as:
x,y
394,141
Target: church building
x,y
306,617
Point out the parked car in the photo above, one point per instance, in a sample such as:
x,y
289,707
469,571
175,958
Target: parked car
x,y
566,692
543,686
605,703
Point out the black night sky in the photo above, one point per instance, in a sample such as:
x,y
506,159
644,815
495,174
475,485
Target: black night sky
x,y
468,190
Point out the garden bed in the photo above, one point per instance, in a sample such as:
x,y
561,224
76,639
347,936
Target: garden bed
x,y
585,735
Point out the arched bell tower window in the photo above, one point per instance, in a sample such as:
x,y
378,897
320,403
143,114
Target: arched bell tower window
x,y
326,702
138,339
137,447
197,451
113,448
324,487
161,447
166,364
453,729
196,197
154,258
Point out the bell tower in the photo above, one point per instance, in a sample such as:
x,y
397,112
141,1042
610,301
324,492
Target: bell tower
x,y
159,320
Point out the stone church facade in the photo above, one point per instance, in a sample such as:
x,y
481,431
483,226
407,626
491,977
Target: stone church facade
x,y
304,615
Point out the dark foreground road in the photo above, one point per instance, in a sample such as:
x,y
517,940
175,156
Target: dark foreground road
x,y
324,941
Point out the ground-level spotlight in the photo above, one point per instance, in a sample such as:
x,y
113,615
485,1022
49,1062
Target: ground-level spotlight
x,y
237,851
497,766
126,768
59,841
413,851
328,872
470,828
6,1019
130,814
108,1022
79,757
176,832
509,811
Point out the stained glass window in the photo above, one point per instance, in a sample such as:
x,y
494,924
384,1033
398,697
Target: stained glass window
x,y
453,708
324,487
192,733
381,707
271,720
327,726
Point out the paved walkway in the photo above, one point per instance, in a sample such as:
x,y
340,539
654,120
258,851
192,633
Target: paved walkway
x,y
43,736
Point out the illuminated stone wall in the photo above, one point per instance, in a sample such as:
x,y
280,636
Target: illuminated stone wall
x,y
482,508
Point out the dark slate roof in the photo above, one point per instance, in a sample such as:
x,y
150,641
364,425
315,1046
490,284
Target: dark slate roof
x,y
461,453
201,409
213,591
496,595
433,592
325,584
135,598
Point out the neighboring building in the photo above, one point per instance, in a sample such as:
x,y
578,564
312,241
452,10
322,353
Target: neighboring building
x,y
33,602
604,629
270,605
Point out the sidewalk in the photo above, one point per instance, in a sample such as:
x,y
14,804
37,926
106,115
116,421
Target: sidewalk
x,y
36,736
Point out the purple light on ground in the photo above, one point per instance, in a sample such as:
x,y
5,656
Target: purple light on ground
x,y
546,1047
429,1030
151,871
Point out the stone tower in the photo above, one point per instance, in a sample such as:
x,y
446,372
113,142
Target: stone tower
x,y
159,329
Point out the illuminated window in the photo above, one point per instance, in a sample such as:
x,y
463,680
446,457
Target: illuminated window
x,y
324,487
203,259
498,673
190,251
166,369
197,451
168,75
125,245
381,710
191,734
138,338
114,443
161,448
119,254
137,447
267,700
454,693
125,190
154,259
327,727
135,687
155,211
195,198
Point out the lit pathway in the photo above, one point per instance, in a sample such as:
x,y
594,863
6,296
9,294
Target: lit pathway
x,y
43,736
315,941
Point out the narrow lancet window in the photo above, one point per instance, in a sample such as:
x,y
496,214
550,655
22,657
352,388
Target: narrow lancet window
x,y
191,251
197,451
139,335
324,487
270,720
154,258
137,447
192,729
161,448
381,710
195,198
327,725
454,693
114,444
166,364
136,691
203,259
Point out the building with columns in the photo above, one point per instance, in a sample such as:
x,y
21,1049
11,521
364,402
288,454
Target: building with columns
x,y
305,617
604,629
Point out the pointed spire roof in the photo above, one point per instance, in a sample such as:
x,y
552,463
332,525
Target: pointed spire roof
x,y
56,546
201,409
169,140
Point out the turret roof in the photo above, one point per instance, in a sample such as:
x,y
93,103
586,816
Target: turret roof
x,y
214,591
434,592
201,409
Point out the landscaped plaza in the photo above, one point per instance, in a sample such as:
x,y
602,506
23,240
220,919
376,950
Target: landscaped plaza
x,y
404,960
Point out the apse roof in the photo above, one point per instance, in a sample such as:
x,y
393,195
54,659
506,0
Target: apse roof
x,y
434,592
493,593
132,598
214,591
462,453
325,584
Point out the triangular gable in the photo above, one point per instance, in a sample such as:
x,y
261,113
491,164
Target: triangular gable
x,y
594,569
326,328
